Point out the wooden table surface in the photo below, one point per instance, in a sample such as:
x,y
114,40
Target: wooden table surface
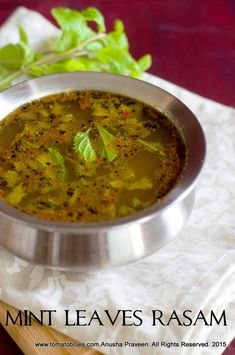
x,y
192,43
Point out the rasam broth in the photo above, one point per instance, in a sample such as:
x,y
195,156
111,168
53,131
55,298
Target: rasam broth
x,y
88,156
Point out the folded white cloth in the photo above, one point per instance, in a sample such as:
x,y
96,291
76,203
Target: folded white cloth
x,y
195,271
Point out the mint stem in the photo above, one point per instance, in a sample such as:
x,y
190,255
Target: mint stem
x,y
11,77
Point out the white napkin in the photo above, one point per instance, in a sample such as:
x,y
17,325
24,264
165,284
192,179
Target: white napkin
x,y
195,271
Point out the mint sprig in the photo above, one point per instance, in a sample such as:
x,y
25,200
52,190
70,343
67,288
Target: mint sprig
x,y
79,47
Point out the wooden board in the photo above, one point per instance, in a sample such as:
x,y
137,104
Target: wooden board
x,y
26,337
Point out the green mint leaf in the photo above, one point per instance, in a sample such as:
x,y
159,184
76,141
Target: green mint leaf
x,y
36,71
82,146
22,34
93,14
116,39
109,144
145,62
15,56
68,65
11,56
116,54
153,146
119,26
77,48
27,50
16,195
93,64
74,28
59,159
68,20
118,61
67,41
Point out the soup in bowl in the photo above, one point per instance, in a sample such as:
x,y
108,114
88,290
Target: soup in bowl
x,y
96,169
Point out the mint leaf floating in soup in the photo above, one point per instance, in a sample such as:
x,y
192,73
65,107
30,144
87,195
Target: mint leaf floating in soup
x,y
59,159
12,178
142,184
108,140
78,48
82,146
16,195
153,146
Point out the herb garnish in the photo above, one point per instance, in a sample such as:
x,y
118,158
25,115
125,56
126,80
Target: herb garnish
x,y
78,47
107,149
59,159
109,152
153,146
82,146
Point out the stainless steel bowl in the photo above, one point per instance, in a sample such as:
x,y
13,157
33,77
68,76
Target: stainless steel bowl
x,y
76,246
